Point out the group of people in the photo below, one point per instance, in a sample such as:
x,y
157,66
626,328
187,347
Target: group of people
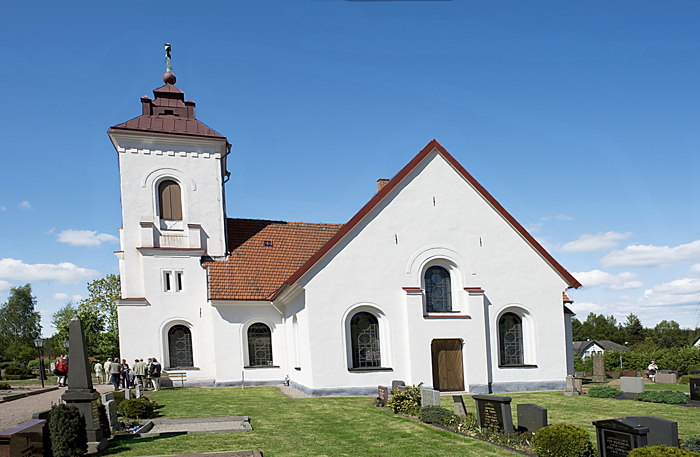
x,y
141,376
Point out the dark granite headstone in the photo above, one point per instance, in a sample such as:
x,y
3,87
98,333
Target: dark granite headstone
x,y
494,411
460,409
531,417
694,389
429,397
23,440
80,392
661,431
396,384
617,437
383,394
45,415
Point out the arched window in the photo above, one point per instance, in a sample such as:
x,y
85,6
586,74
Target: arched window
x,y
364,333
510,331
437,290
180,346
259,345
170,200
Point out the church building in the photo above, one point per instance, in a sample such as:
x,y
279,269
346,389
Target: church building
x,y
431,281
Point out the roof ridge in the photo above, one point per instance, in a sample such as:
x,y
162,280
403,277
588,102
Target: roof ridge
x,y
281,221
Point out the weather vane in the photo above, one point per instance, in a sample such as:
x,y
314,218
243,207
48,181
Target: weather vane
x,y
167,56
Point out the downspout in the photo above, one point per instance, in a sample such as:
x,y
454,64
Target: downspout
x,y
487,333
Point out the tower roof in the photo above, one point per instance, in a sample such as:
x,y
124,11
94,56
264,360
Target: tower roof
x,y
168,113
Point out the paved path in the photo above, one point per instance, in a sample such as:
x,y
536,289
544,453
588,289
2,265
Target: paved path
x,y
17,411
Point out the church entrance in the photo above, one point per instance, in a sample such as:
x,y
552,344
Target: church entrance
x,y
448,371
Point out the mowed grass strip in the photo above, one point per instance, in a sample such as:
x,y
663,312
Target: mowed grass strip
x,y
347,426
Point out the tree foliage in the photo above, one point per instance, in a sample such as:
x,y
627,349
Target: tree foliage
x,y
19,325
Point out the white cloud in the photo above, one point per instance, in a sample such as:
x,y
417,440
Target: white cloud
x,y
598,242
583,308
85,237
695,270
61,296
597,278
4,285
62,273
679,292
652,256
24,205
49,232
534,228
561,217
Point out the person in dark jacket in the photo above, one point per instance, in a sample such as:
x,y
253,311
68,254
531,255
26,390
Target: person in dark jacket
x,y
154,373
115,371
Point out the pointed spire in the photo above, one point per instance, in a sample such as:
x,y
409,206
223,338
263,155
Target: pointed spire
x,y
168,77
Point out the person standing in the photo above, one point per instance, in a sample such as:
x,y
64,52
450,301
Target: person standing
x,y
155,374
106,366
115,371
99,373
653,368
140,368
149,381
61,371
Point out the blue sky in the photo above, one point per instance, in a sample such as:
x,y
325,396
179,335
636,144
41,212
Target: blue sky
x,y
580,118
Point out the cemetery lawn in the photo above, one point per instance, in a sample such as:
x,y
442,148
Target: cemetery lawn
x,y
344,426
582,410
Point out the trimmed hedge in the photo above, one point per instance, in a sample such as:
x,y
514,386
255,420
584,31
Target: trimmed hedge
x,y
136,408
434,415
18,371
603,392
561,440
17,377
685,379
68,431
661,451
667,396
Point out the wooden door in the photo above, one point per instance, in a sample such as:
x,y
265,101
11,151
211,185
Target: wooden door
x,y
448,371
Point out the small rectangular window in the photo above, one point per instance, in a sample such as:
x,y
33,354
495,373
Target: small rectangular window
x,y
167,281
178,283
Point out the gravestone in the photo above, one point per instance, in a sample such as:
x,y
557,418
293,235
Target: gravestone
x,y
615,375
587,374
429,397
494,411
578,386
629,374
396,384
579,374
632,385
570,386
111,409
666,378
127,394
531,417
80,392
617,437
383,394
661,431
694,389
460,409
23,440
45,416
402,388
599,369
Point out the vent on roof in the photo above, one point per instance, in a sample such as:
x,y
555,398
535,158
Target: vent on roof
x,y
267,243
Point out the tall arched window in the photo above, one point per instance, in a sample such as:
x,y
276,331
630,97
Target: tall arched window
x,y
180,346
364,333
170,200
438,297
259,345
510,331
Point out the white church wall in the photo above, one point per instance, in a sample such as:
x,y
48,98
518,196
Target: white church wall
x,y
434,208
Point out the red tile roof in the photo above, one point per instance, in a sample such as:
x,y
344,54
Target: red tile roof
x,y
263,254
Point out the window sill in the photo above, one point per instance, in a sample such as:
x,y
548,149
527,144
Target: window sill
x,y
368,369
517,366
181,369
451,315
261,366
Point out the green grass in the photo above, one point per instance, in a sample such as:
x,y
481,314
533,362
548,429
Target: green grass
x,y
348,426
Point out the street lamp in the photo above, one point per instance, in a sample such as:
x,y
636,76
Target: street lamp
x,y
65,343
39,344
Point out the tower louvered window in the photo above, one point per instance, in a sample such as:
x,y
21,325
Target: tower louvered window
x,y
170,200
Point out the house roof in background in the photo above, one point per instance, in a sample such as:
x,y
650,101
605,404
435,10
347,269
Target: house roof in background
x,y
581,346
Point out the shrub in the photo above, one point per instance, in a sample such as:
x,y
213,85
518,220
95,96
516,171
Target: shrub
x,y
563,440
603,392
18,371
119,397
685,379
104,420
661,451
692,443
667,396
434,415
406,402
5,386
136,408
15,377
67,430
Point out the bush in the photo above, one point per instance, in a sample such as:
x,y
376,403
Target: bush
x,y
434,415
4,365
685,379
16,377
136,408
603,392
406,402
563,440
67,430
692,443
119,397
104,420
661,451
5,386
667,396
18,371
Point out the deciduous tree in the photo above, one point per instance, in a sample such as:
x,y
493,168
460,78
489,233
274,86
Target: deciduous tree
x,y
19,324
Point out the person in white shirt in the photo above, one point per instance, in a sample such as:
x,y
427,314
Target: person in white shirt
x,y
653,367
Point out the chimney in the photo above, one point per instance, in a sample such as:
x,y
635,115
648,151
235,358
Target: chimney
x,y
381,182
146,106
